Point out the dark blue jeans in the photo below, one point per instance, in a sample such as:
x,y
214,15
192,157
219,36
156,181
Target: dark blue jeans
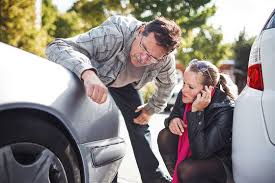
x,y
128,99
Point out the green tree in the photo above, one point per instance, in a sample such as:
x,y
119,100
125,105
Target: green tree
x,y
69,24
147,91
49,17
241,50
17,26
86,14
188,14
206,44
96,11
199,40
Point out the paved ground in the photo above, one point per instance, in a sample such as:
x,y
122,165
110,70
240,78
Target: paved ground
x,y
128,171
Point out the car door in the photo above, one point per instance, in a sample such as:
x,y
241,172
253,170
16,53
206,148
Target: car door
x,y
267,53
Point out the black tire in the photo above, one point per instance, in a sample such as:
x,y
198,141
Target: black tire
x,y
31,127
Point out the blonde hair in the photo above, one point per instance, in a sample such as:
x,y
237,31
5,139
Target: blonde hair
x,y
211,75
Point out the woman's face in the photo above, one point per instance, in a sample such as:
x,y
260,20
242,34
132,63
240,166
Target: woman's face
x,y
191,85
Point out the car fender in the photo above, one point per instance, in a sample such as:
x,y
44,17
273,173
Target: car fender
x,y
49,87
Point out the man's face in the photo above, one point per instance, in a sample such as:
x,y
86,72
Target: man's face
x,y
146,51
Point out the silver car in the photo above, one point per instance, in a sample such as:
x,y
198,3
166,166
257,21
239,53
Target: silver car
x,y
253,151
50,132
175,92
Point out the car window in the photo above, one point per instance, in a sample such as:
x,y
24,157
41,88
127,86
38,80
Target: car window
x,y
271,23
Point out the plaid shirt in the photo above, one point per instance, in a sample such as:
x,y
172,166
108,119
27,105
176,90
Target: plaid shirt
x,y
106,49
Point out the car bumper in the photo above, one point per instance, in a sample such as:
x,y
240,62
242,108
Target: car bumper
x,y
102,159
252,151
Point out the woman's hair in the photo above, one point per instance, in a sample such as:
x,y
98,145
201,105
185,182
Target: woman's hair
x,y
211,75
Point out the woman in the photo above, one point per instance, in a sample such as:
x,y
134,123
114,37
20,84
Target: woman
x,y
196,143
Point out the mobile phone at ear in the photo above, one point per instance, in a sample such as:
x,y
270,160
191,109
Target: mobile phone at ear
x,y
202,90
195,99
196,96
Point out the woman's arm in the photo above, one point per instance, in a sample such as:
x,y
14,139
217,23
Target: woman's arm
x,y
177,111
206,140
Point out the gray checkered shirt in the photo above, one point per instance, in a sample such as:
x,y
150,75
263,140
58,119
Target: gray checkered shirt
x,y
106,49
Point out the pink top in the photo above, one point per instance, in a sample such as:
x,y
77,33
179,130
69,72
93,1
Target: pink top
x,y
184,150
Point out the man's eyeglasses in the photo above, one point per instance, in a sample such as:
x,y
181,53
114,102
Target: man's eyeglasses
x,y
153,59
202,66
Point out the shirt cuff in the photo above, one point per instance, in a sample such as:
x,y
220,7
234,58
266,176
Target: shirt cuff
x,y
150,109
80,71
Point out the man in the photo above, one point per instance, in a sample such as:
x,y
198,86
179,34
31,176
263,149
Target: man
x,y
123,54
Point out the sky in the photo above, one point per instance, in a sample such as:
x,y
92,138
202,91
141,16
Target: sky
x,y
235,15
232,16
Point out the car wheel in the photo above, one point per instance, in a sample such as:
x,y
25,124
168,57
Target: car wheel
x,y
35,150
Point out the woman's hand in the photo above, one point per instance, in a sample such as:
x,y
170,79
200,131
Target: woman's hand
x,y
176,126
203,99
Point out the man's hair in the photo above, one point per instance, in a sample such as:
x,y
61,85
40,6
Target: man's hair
x,y
167,32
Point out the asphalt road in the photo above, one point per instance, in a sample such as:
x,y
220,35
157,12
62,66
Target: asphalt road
x,y
128,171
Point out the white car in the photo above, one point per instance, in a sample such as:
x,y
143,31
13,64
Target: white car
x,y
175,92
253,146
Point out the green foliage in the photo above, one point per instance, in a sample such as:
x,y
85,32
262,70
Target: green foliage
x,y
188,14
199,40
14,22
206,44
18,26
241,50
147,91
69,24
49,17
86,14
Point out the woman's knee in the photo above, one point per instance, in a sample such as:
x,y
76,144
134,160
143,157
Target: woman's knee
x,y
167,142
165,139
186,172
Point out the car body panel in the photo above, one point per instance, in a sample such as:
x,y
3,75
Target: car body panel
x,y
251,149
31,82
268,65
253,134
58,92
97,151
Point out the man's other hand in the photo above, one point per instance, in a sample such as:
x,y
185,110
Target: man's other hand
x,y
143,118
